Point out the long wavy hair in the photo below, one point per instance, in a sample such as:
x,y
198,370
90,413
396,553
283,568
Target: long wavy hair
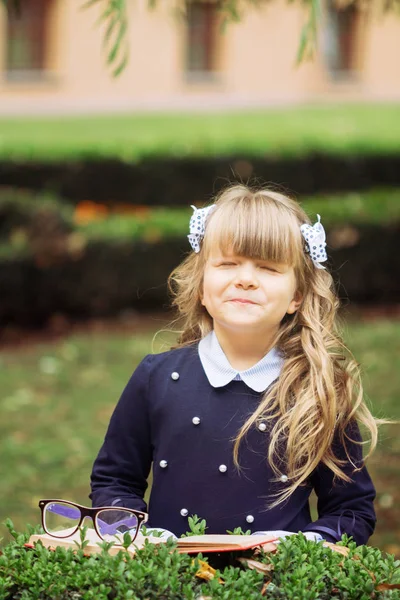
x,y
319,392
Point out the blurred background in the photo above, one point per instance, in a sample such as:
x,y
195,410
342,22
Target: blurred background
x,y
97,175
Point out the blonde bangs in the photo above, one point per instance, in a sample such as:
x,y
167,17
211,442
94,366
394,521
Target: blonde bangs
x,y
235,226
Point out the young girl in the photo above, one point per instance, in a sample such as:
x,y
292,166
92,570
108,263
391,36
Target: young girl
x,y
258,405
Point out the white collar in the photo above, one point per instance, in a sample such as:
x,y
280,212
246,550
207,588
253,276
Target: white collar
x,y
219,371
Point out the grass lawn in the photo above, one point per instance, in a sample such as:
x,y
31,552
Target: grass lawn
x,y
56,401
276,132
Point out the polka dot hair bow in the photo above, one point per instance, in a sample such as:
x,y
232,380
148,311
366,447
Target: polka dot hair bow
x,y
197,226
315,237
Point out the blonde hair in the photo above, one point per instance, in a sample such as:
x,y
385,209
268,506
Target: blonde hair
x,y
319,392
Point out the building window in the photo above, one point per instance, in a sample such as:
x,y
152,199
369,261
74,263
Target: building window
x,y
340,39
202,29
26,39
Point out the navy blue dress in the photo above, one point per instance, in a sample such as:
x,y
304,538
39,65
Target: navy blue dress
x,y
171,418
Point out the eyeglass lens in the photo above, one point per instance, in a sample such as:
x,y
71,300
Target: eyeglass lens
x,y
61,519
112,524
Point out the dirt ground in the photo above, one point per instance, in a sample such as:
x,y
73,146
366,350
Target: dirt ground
x,y
59,326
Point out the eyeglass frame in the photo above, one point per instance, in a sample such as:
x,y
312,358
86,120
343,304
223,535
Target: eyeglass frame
x,y
86,511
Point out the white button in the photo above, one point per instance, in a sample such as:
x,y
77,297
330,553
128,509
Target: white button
x,y
250,519
223,468
175,376
184,512
262,426
163,464
283,478
196,420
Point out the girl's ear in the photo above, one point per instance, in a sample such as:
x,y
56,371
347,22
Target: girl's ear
x,y
295,303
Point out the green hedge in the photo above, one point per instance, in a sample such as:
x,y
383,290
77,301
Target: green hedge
x,y
107,278
299,570
49,265
25,215
179,181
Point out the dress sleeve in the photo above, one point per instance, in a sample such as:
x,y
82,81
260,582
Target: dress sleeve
x,y
120,471
345,507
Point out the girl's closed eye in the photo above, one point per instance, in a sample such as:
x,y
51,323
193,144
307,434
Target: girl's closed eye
x,y
269,267
226,263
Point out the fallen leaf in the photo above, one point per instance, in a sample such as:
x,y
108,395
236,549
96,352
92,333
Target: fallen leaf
x,y
256,565
387,586
340,549
269,547
207,572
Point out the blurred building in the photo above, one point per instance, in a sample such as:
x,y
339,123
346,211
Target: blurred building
x,y
52,58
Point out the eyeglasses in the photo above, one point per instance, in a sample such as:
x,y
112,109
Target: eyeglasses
x,y
61,519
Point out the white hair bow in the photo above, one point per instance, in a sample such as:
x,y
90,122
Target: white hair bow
x,y
315,237
197,226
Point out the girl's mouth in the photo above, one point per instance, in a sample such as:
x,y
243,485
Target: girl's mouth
x,y
242,301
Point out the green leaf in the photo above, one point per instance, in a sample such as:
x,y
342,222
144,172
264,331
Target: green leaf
x,y
121,67
112,55
106,14
303,44
110,28
127,540
89,3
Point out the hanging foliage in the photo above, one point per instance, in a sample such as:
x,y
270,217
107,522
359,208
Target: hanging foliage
x,y
114,18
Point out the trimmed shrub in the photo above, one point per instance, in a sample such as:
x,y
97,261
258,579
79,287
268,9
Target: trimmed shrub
x,y
22,210
165,181
103,278
299,570
51,265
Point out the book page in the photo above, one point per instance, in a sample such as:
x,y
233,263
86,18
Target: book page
x,y
226,540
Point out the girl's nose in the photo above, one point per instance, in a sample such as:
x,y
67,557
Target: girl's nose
x,y
246,277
